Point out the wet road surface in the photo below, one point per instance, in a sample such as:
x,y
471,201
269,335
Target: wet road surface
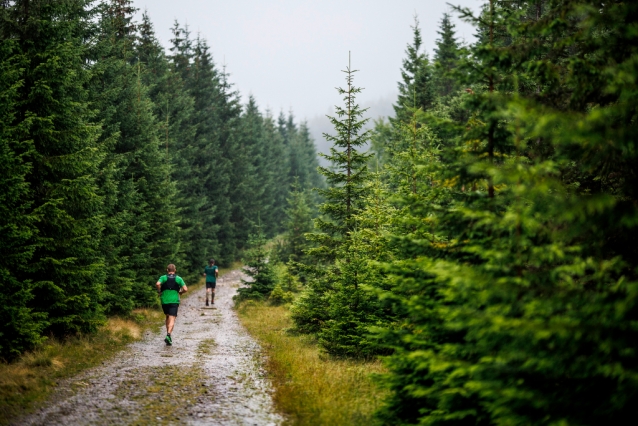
x,y
212,375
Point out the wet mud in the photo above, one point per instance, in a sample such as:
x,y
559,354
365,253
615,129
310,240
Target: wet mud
x,y
212,375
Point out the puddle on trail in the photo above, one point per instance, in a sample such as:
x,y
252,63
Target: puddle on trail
x,y
212,375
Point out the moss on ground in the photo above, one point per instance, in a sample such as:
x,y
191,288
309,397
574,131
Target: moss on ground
x,y
167,396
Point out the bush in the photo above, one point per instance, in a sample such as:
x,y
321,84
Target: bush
x,y
259,268
279,296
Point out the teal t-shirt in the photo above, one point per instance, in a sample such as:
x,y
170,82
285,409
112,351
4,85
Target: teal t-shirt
x,y
210,274
170,296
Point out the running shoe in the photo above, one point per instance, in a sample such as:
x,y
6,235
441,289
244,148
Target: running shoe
x,y
168,340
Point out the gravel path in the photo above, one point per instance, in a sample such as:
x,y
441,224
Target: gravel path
x,y
212,375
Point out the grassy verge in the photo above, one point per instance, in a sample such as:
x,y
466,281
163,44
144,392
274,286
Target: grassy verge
x,y
310,388
26,383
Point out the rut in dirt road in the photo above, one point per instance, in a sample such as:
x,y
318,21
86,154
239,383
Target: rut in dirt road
x,y
212,375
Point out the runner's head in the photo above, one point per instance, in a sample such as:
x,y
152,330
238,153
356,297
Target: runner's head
x,y
211,262
171,268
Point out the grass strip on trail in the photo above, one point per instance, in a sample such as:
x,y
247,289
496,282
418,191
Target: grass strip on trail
x,y
162,401
311,388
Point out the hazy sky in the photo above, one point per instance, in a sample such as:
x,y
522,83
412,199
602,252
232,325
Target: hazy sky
x,y
289,53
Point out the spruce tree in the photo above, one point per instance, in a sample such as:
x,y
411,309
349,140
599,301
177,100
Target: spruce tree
x,y
138,193
348,172
53,112
288,131
446,57
186,152
298,224
256,177
517,303
310,162
354,307
174,109
258,267
278,163
22,326
416,87
344,199
229,109
207,169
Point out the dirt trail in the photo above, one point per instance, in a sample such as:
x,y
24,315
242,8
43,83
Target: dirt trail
x,y
212,375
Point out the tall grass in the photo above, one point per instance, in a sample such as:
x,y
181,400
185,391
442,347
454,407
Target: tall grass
x,y
26,382
311,388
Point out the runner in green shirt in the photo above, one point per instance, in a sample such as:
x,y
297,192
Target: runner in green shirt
x,y
211,272
170,286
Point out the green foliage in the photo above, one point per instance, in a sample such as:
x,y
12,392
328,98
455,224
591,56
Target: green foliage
x,y
277,162
334,305
380,137
447,55
120,159
138,196
298,224
516,284
286,287
347,175
259,268
22,327
54,117
416,89
280,296
493,257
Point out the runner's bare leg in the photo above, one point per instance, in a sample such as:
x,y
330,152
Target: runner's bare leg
x,y
170,323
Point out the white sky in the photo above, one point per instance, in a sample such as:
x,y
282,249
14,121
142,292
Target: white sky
x,y
289,53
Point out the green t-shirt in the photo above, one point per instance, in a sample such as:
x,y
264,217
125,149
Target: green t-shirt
x,y
170,296
210,274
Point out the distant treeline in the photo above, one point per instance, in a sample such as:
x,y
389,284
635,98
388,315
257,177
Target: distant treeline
x,y
487,246
119,158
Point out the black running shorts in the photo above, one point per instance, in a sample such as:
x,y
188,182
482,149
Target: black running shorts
x,y
211,285
170,309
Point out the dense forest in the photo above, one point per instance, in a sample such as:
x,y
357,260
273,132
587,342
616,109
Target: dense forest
x,y
485,246
481,241
120,157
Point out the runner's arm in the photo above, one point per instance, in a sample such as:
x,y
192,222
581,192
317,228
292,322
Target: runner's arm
x,y
216,272
158,285
183,289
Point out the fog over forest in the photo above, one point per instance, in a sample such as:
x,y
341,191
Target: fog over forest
x,y
289,54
